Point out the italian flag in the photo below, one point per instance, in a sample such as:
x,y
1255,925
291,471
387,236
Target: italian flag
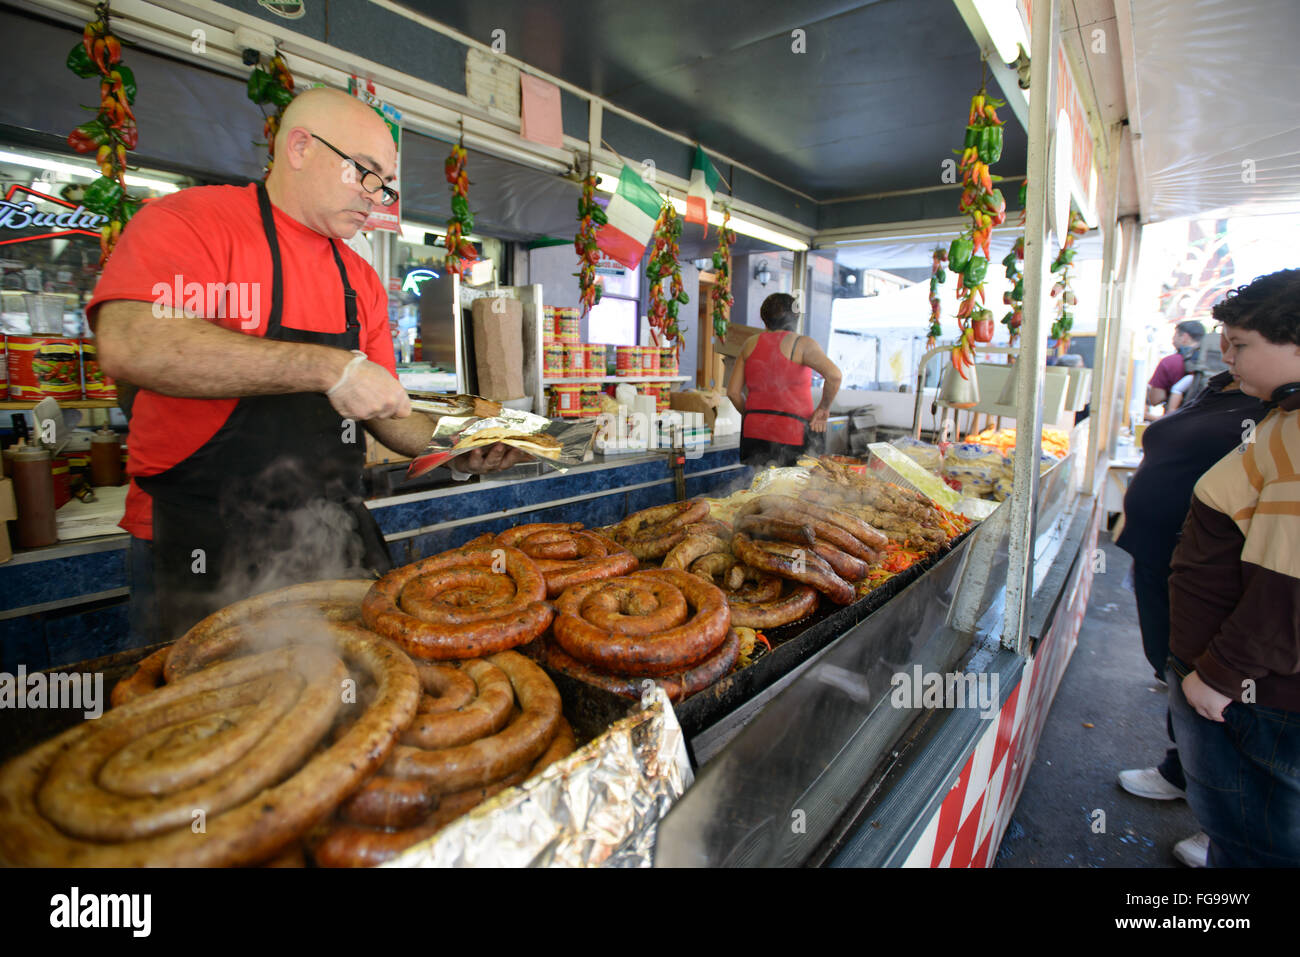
x,y
632,214
704,183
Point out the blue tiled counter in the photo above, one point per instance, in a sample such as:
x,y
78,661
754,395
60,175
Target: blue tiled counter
x,y
68,602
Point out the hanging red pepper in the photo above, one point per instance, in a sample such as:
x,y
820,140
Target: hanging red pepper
x,y
937,276
720,295
1064,318
113,131
460,252
663,265
590,217
968,254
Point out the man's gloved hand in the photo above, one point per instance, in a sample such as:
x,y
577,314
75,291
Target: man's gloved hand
x,y
366,390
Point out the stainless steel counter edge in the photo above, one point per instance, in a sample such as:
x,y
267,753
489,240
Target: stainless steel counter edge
x,y
104,543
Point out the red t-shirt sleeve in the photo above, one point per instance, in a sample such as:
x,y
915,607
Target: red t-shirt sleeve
x,y
161,243
377,340
1168,371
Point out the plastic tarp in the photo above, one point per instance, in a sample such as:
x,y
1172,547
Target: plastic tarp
x,y
1216,83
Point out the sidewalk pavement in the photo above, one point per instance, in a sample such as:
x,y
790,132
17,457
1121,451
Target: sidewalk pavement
x,y
1109,714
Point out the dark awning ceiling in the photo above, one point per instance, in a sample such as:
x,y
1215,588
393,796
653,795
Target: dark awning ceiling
x,y
876,102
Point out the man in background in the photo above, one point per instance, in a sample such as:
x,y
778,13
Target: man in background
x,y
1172,368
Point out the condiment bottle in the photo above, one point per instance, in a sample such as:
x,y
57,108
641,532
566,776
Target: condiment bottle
x,y
34,490
105,458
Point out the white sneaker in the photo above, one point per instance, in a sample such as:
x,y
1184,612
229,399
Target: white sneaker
x,y
1194,851
1149,783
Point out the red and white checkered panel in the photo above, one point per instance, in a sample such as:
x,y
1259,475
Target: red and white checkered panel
x,y
966,830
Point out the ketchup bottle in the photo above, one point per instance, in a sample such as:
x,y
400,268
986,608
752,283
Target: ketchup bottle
x,y
34,489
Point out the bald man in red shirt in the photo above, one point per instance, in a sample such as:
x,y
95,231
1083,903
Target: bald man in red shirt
x,y
259,342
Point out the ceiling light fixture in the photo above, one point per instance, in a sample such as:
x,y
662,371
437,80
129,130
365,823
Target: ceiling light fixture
x,y
1005,27
54,166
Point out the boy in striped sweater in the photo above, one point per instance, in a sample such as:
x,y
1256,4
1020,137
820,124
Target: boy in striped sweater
x,y
1234,671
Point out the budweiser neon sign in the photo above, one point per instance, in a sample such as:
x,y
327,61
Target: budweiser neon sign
x,y
21,213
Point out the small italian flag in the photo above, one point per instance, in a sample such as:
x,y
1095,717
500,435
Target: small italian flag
x,y
632,214
704,183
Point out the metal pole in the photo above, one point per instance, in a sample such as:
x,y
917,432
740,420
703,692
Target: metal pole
x,y
799,289
1033,331
1102,385
1120,357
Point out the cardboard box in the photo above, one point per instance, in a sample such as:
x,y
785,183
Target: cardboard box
x,y
8,512
737,336
696,400
379,454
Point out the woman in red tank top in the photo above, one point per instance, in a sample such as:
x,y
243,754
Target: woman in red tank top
x,y
772,386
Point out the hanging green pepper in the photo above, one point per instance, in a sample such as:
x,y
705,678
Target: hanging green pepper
x,y
972,137
280,97
102,196
974,272
959,253
80,63
990,144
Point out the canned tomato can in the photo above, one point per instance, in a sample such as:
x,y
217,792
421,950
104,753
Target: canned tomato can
x,y
548,325
595,361
668,360
553,361
575,364
569,401
629,360
570,327
649,360
96,384
41,367
590,401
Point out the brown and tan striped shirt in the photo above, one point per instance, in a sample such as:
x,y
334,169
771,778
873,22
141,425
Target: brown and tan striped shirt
x,y
1235,585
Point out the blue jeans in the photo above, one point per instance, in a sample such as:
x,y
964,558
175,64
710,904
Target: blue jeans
x,y
1243,778
1151,589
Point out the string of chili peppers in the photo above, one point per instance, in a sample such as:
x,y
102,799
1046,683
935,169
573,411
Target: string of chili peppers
x,y
1064,318
460,252
271,85
590,217
112,132
664,265
987,208
1015,298
938,275
720,295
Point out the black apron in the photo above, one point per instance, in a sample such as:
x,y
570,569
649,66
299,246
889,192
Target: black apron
x,y
274,497
813,442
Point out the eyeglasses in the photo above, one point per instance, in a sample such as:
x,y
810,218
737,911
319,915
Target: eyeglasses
x,y
371,181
